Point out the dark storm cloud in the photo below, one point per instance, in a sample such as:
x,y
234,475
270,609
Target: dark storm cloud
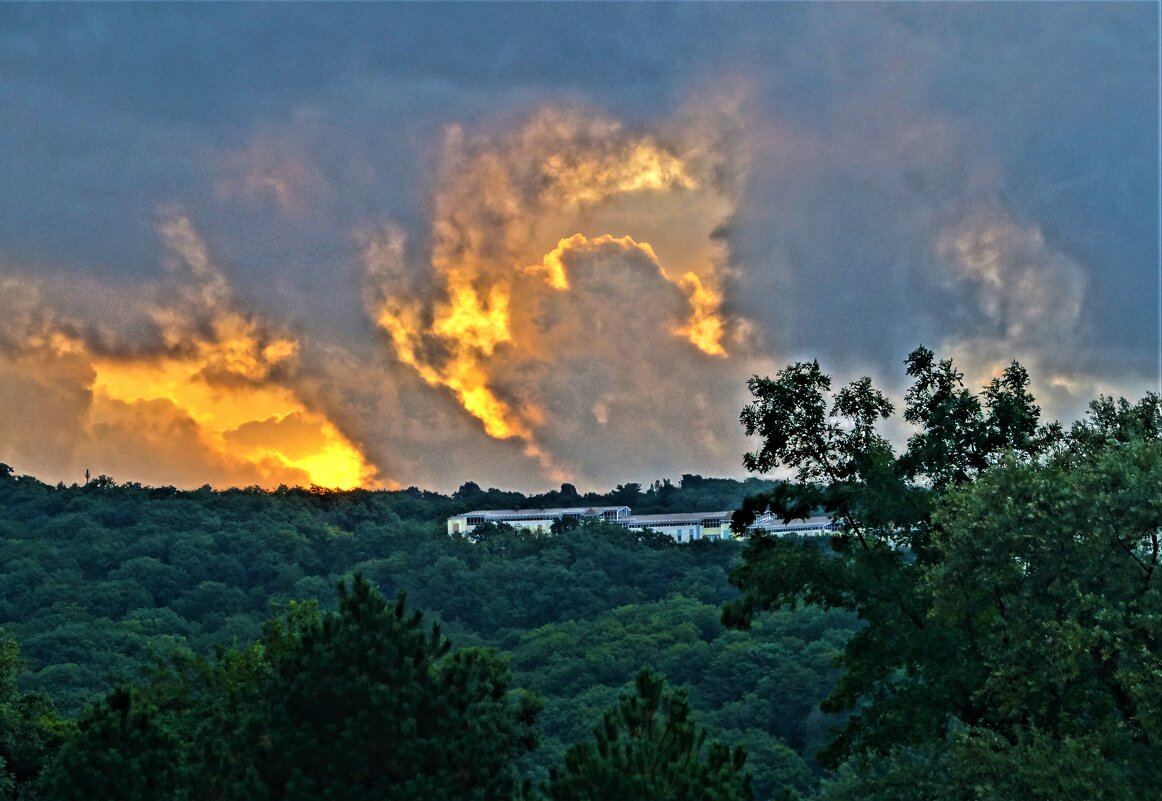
x,y
871,137
920,116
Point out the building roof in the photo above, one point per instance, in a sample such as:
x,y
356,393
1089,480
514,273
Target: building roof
x,y
674,519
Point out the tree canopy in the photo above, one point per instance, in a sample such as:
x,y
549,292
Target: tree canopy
x,y
100,585
650,749
1005,571
362,703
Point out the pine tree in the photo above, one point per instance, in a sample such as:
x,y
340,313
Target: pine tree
x,y
122,750
649,749
370,704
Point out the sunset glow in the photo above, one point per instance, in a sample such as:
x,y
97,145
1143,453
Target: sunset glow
x,y
526,244
592,178
203,391
705,328
262,425
499,293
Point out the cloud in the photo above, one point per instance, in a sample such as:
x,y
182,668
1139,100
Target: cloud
x,y
276,167
209,399
576,289
871,138
1028,294
1018,298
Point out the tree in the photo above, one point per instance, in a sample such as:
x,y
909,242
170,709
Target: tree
x,y
361,703
1005,572
468,490
29,729
367,704
649,749
122,750
625,495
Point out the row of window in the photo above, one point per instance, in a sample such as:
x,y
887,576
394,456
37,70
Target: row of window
x,y
479,521
693,537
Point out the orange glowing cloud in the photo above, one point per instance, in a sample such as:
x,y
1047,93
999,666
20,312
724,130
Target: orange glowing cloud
x,y
210,400
591,177
705,328
526,272
257,424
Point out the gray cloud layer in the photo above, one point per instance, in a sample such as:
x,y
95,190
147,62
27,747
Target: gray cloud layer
x,y
982,178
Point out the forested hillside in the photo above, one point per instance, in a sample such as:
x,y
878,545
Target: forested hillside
x,y
104,583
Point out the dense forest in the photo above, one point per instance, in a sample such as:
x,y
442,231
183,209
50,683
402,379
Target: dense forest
x,y
116,585
985,624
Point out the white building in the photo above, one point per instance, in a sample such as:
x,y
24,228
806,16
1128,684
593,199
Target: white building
x,y
534,519
685,527
682,527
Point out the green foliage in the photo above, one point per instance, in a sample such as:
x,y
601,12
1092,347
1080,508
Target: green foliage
x,y
93,579
363,702
30,731
980,764
760,687
103,585
122,750
692,493
649,749
1006,574
369,704
1050,568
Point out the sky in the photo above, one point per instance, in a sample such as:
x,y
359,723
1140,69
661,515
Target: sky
x,y
387,245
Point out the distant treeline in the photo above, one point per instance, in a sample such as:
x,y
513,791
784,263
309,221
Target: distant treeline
x,y
692,493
